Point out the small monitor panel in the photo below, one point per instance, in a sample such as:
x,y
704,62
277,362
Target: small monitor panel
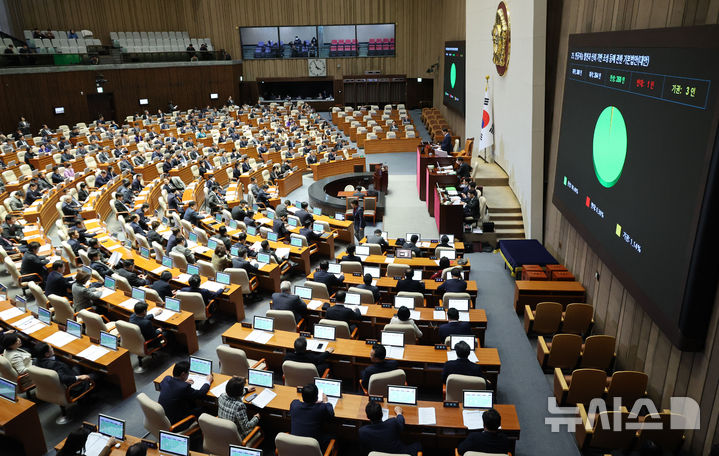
x,y
332,388
461,305
172,304
455,339
481,399
373,271
244,451
43,315
325,332
362,250
111,427
174,444
335,268
393,339
407,301
406,395
193,269
200,366
449,254
138,294
263,323
223,278
8,390
263,258
107,340
73,328
303,292
110,282
256,377
353,299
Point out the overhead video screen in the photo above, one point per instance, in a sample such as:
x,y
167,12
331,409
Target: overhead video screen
x,y
454,84
635,165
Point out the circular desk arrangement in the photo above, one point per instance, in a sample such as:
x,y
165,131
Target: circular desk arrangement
x,y
321,193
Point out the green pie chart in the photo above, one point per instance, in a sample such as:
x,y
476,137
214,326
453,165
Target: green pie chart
x,y
609,146
452,75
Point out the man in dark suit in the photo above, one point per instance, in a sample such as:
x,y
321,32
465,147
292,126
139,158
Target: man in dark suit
x,y
241,262
339,312
95,263
376,238
162,285
350,254
412,245
303,214
68,375
174,201
32,263
308,415
11,229
301,355
32,194
385,436
462,365
358,219
278,226
135,224
143,320
367,285
454,285
125,268
153,235
379,364
238,213
191,215
471,207
488,440
207,295
102,179
308,233
56,283
330,280
284,300
177,396
446,141
409,284
454,326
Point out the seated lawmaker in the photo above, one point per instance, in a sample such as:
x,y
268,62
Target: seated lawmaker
x,y
454,285
194,287
409,284
443,264
309,233
309,415
143,319
376,238
83,296
403,318
339,312
162,285
177,396
412,245
285,300
379,364
324,276
350,254
301,355
32,263
488,440
462,365
385,436
454,326
68,375
367,285
126,269
231,407
57,283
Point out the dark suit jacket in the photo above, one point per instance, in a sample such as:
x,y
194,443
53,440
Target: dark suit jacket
x,y
307,419
57,284
464,170
145,323
154,236
339,312
327,278
131,277
191,216
177,398
278,227
452,286
372,288
410,285
304,216
286,301
66,373
386,437
462,367
241,263
308,357
162,288
310,235
377,368
32,263
487,442
454,328
447,143
101,268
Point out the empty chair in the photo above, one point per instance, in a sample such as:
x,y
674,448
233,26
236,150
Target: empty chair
x,y
544,320
240,277
132,340
457,383
178,260
627,385
562,352
598,352
319,290
378,383
21,281
607,432
292,445
580,387
234,361
397,270
206,268
156,420
578,318
50,389
193,303
39,295
374,249
667,436
284,320
94,323
349,267
342,329
62,309
218,434
300,374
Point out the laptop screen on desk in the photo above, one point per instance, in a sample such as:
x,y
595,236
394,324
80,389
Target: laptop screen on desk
x,y
461,305
318,227
244,451
335,268
455,339
166,262
43,315
373,271
393,339
482,399
8,390
192,237
174,444
353,299
406,301
303,292
200,366
223,278
402,395
326,332
317,211
193,269
107,340
110,282
272,237
256,377
404,253
362,250
138,294
211,244
263,323
449,254
73,328
292,221
330,387
172,304
263,258
144,252
296,242
251,230
111,427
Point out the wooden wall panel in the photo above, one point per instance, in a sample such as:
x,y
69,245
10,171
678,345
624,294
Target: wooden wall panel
x,y
35,94
641,345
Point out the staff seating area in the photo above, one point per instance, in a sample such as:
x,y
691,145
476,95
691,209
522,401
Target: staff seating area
x,y
139,42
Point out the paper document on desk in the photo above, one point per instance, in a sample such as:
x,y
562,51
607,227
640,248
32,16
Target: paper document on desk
x,y
414,314
59,339
93,352
264,398
395,352
95,443
425,244
219,389
362,309
438,315
129,304
106,292
464,316
264,221
212,286
452,355
317,345
159,270
293,209
183,277
314,304
472,419
115,257
165,315
11,313
198,381
257,246
199,249
261,337
283,253
426,415
53,258
385,414
388,260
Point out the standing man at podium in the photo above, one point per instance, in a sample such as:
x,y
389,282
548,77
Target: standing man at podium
x,y
446,141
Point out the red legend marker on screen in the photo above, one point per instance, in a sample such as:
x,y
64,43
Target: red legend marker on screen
x,y
587,201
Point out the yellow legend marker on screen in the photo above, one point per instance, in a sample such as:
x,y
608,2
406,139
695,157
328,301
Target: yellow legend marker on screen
x,y
619,229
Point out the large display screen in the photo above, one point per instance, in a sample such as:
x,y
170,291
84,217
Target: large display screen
x,y
636,163
454,84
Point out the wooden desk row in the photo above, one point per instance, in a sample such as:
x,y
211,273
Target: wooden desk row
x,y
326,243
350,415
532,292
429,248
422,363
336,167
423,263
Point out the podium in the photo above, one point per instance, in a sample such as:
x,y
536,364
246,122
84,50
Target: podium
x,y
380,177
426,155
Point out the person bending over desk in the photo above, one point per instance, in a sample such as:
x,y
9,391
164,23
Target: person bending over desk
x,y
308,415
330,280
75,444
301,355
454,326
409,284
385,436
488,440
125,268
402,318
454,285
177,396
462,365
194,287
379,364
162,285
376,238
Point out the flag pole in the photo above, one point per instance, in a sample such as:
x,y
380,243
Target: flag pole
x,y
486,88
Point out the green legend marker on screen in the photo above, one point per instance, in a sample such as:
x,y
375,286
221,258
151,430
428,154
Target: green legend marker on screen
x,y
609,146
453,75
565,180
